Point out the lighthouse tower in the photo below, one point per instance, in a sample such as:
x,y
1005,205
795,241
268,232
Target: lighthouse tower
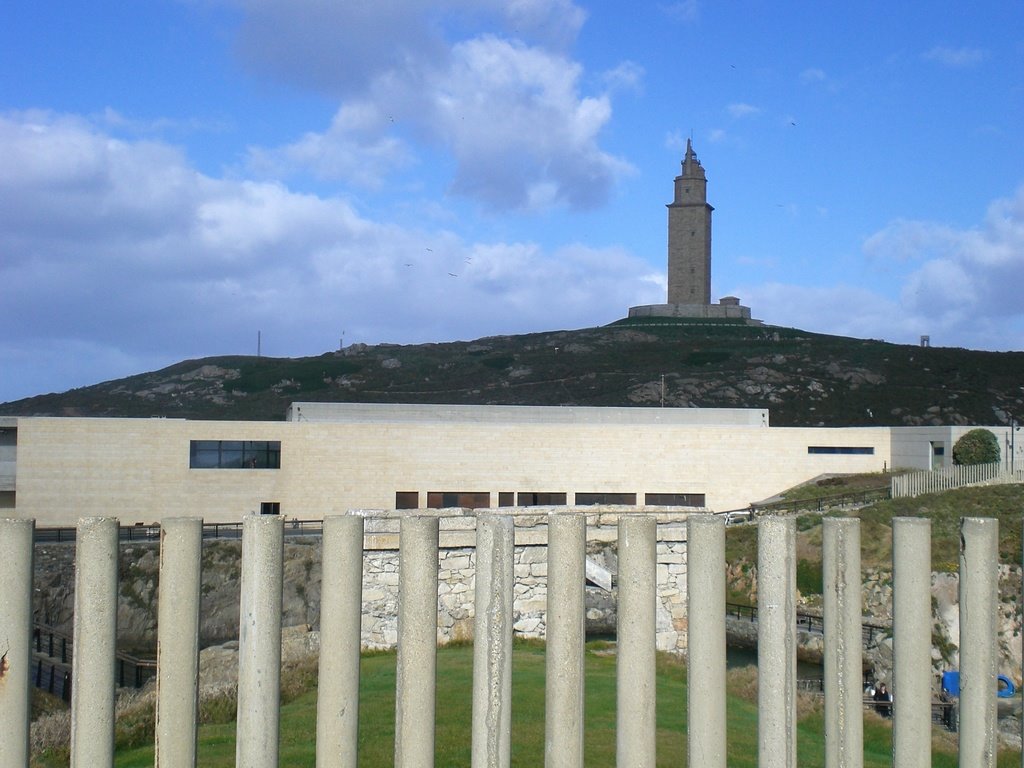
x,y
689,235
689,254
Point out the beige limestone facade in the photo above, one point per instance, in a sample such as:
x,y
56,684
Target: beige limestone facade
x,y
331,458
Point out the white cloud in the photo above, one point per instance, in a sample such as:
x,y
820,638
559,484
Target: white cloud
x,y
843,309
554,22
119,257
815,77
958,58
740,110
512,117
962,287
507,107
356,148
675,140
115,120
976,271
686,11
627,76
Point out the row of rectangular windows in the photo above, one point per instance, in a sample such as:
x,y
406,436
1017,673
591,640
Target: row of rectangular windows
x,y
846,449
266,454
482,499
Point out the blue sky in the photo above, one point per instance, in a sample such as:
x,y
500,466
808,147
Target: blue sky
x,y
178,177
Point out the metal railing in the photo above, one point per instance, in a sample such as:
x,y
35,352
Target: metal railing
x,y
958,476
53,657
807,622
822,503
142,532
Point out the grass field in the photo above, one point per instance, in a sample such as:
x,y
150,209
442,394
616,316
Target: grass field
x,y
454,713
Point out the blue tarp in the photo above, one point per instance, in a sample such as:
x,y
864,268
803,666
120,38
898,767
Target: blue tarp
x,y
951,684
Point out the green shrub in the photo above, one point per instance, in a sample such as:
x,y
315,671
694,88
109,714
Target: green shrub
x,y
808,577
979,446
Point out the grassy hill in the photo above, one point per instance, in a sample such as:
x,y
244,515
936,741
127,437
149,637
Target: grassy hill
x,y
805,379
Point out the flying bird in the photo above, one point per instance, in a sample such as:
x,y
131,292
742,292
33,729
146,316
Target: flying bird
x,y
452,274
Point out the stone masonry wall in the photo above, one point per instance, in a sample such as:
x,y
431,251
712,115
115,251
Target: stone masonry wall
x,y
457,574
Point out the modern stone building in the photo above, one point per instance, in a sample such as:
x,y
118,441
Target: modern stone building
x,y
689,253
333,457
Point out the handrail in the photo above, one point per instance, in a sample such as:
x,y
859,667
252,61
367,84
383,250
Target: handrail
x,y
140,532
807,622
55,648
824,502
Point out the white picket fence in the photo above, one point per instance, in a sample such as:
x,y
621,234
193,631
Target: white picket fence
x,y
258,723
918,483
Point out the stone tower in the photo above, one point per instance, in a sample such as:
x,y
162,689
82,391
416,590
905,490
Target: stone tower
x,y
689,256
689,235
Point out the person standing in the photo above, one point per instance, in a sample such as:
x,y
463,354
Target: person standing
x,y
883,700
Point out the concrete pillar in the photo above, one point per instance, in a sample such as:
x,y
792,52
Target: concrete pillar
x,y
94,644
979,604
417,643
492,642
636,642
177,651
341,610
16,549
566,635
844,718
705,632
912,642
776,642
259,642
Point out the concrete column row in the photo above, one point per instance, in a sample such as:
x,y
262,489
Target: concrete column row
x,y
96,571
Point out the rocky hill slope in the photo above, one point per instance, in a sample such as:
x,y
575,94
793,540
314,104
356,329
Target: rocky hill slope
x,y
805,379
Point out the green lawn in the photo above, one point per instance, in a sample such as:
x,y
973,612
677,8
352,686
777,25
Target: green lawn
x,y
454,713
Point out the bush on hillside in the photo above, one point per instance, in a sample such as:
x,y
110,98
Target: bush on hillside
x,y
979,446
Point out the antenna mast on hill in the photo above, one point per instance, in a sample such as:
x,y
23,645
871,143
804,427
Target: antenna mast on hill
x,y
259,342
